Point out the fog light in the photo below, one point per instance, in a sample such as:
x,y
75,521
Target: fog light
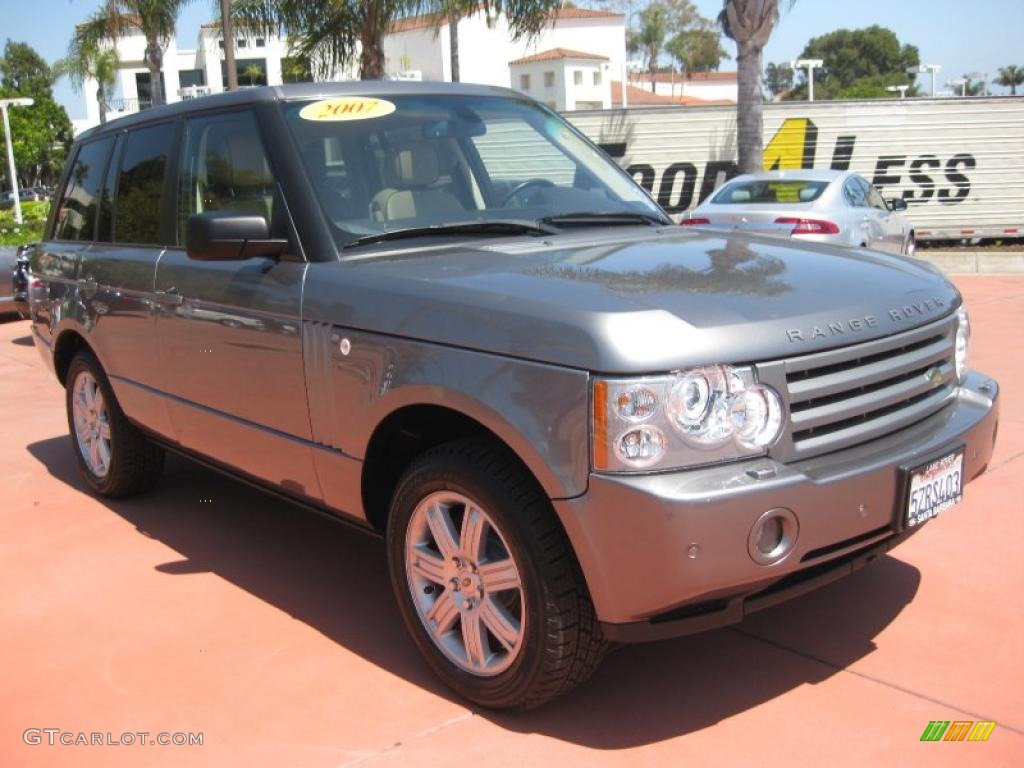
x,y
773,536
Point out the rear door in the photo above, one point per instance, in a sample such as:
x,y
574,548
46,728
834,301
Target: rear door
x,y
892,230
116,279
229,331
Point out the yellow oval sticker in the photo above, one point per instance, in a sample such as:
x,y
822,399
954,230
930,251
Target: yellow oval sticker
x,y
346,108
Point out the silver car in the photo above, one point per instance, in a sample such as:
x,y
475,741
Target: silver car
x,y
819,206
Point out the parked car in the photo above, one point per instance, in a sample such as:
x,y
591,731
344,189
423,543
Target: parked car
x,y
439,312
26,195
14,280
818,206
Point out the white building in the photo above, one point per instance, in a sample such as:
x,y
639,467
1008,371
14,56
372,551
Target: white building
x,y
417,47
564,79
486,46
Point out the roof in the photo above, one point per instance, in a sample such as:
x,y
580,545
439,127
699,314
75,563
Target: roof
x,y
295,91
559,53
429,20
643,97
694,77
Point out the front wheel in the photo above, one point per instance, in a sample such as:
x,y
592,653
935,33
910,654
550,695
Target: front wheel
x,y
486,579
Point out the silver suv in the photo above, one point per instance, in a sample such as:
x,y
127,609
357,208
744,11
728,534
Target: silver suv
x,y
441,313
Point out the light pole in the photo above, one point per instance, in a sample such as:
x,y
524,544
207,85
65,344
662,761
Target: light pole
x,y
922,69
960,82
4,104
902,89
810,65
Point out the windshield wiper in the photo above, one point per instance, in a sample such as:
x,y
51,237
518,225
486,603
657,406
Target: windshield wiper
x,y
603,219
492,227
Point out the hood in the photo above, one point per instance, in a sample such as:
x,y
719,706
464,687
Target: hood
x,y
631,299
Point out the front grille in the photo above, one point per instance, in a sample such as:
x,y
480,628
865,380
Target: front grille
x,y
850,395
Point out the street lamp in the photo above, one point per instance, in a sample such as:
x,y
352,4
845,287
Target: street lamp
x,y
810,65
4,104
902,89
961,83
922,69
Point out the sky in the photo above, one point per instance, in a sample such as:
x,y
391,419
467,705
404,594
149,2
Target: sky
x,y
981,35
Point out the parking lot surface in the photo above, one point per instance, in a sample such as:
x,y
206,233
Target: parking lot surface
x,y
208,607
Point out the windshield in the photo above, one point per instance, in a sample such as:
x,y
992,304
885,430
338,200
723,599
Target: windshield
x,y
381,165
762,191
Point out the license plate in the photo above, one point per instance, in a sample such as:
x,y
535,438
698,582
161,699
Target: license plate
x,y
934,488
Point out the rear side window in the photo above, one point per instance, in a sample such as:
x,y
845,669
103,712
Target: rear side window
x,y
76,216
140,182
855,192
224,168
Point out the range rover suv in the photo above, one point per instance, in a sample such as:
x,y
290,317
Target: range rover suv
x,y
439,312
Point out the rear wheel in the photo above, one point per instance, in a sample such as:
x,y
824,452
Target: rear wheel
x,y
114,457
486,579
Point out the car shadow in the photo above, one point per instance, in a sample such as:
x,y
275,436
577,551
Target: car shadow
x,y
23,341
326,574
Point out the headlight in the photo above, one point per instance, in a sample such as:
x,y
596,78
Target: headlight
x,y
963,335
696,416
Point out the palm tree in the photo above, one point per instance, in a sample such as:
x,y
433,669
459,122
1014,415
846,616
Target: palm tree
x,y
155,19
654,24
87,60
750,24
227,27
1010,77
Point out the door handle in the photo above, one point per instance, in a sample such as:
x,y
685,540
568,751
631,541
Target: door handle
x,y
170,296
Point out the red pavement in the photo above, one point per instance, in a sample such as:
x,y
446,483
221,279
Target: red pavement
x,y
273,632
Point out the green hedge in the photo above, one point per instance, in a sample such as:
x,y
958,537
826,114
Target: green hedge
x,y
33,215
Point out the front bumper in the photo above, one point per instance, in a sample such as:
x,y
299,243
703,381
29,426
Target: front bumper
x,y
666,554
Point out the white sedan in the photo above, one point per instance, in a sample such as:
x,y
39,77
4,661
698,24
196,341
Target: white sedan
x,y
820,206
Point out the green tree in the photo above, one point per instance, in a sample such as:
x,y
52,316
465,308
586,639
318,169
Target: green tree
x,y
697,50
155,19
857,61
778,78
1010,77
87,60
40,134
649,39
749,23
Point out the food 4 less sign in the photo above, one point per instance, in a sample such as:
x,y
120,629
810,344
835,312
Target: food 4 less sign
x,y
938,174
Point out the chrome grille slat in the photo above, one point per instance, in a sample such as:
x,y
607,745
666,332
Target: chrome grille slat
x,y
852,378
850,395
875,400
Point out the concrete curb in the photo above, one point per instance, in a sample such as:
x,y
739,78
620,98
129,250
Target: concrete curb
x,y
975,262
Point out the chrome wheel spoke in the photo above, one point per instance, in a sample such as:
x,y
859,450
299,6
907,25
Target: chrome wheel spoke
x,y
473,535
442,614
428,566
504,628
105,429
441,528
94,456
499,576
473,641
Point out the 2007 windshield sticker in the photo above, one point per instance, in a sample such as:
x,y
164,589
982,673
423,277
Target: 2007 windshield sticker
x,y
346,108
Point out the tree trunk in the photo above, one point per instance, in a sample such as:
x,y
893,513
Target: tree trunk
x,y
154,62
227,28
101,99
371,59
453,31
749,110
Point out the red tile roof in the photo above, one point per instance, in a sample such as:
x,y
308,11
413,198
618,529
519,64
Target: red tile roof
x,y
643,97
696,77
559,53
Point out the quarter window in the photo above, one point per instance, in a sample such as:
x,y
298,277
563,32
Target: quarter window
x,y
855,193
140,183
223,168
76,216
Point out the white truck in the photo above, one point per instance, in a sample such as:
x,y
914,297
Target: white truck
x,y
959,163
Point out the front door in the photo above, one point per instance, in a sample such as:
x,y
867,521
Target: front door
x,y
229,332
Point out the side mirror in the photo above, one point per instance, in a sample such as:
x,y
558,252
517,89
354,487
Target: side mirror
x,y
896,204
230,236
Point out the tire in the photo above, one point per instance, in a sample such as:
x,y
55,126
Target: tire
x,y
125,462
552,640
